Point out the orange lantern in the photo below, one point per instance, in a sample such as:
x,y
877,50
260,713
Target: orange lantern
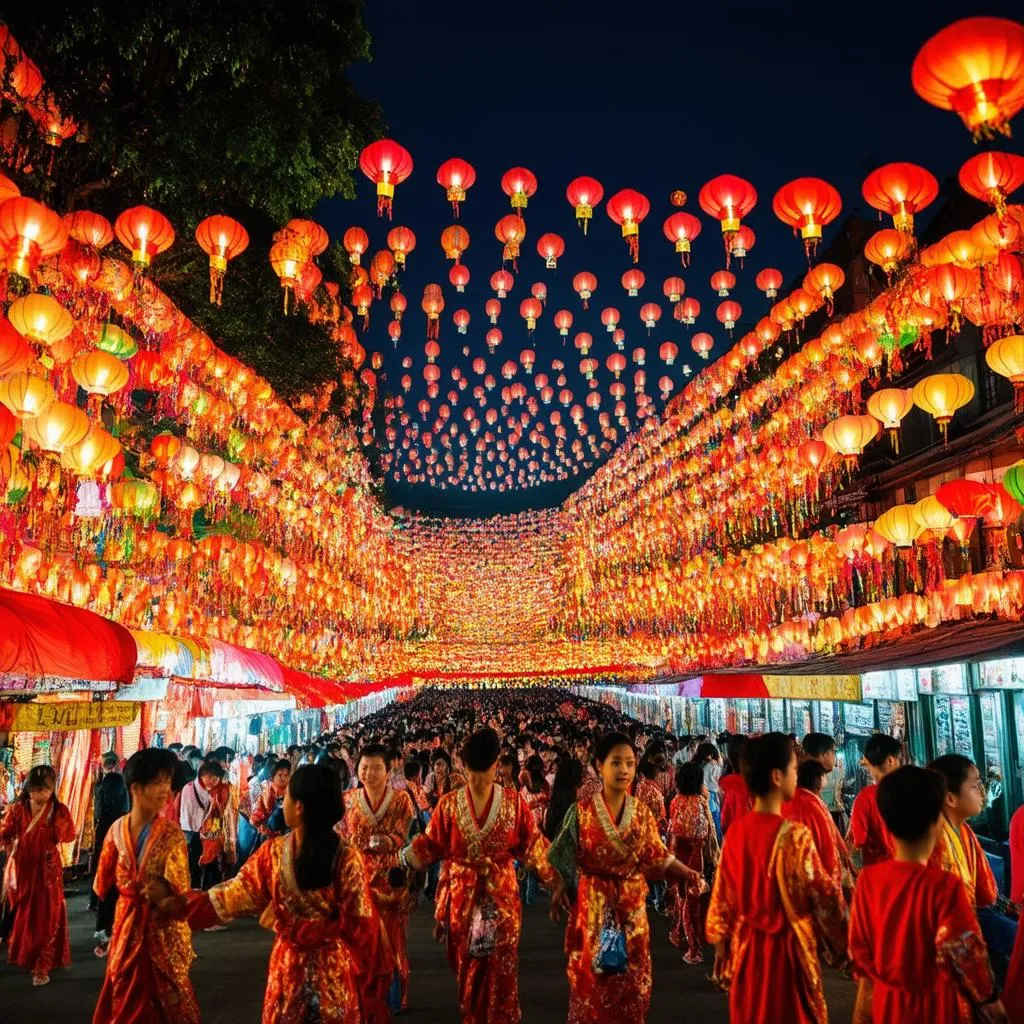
x,y
888,248
941,394
222,239
287,257
900,190
1006,357
991,177
807,205
889,406
99,373
145,233
848,436
29,233
454,241
58,426
25,395
40,318
92,453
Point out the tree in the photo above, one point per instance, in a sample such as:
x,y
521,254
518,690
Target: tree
x,y
240,107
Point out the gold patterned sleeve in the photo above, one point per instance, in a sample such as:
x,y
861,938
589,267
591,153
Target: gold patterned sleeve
x,y
960,948
722,909
249,892
176,872
531,847
401,818
812,891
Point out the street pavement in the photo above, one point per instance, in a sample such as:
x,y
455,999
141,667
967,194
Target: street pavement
x,y
230,974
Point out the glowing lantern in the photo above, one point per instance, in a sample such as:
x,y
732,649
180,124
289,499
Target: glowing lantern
x,y
687,311
769,281
287,257
395,332
628,208
454,241
742,242
433,305
456,176
222,239
889,406
990,177
807,205
398,305
92,453
728,199
899,526
527,358
610,318
728,313
665,386
99,373
813,454
639,356
941,394
900,190
888,248
25,395
115,341
824,281
355,242
502,282
89,228
616,363
40,318
29,233
619,338
458,275
583,341
519,184
584,284
431,350
681,229
974,67
550,247
145,233
584,194
933,516
401,241
539,290
722,281
15,353
510,231
673,288
1013,481
382,269
702,344
668,352
58,426
848,436
141,500
386,164
953,285
530,310
461,320
1006,358
633,281
650,314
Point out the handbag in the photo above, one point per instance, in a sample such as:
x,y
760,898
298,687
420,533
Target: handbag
x,y
611,956
483,929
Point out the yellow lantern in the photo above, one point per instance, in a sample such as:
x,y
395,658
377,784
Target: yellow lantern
x,y
58,426
889,406
40,318
941,394
848,436
933,515
25,395
92,453
99,373
1006,357
899,526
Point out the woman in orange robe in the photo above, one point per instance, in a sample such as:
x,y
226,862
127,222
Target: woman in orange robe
x,y
773,903
34,877
330,960
377,820
480,830
611,842
150,953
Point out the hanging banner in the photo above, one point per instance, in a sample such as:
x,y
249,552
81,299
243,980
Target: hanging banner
x,y
65,717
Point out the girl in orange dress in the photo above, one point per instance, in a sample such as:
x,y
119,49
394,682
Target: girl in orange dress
x,y
330,960
150,953
270,799
35,825
480,830
611,843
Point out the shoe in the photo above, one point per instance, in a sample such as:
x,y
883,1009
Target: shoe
x,y
693,961
38,980
101,951
216,928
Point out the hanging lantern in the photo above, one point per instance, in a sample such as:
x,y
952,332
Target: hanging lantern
x,y
584,194
355,242
889,406
456,176
58,426
222,239
888,248
114,340
616,363
650,314
287,258
386,164
899,526
550,246
433,306
99,373
29,233
15,353
40,318
584,284
673,288
530,310
633,280
813,454
900,190
974,67
722,281
941,394
563,321
461,320
823,281
743,242
25,394
668,352
681,229
145,233
687,311
807,205
728,313
702,343
728,199
92,453
628,208
933,516
848,436
454,242
519,184
583,341
1006,358
992,177
458,275
1013,481
510,231
769,281
401,241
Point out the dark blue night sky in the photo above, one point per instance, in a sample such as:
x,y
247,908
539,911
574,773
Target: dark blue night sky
x,y
645,95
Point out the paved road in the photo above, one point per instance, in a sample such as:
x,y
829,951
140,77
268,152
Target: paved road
x,y
230,974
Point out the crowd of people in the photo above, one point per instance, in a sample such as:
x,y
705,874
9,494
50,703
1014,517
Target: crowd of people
x,y
469,803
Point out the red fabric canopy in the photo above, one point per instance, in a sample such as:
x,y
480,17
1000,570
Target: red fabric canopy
x,y
40,637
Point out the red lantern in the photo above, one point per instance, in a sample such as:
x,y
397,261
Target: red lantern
x,y
519,184
550,247
29,233
650,314
401,241
355,242
386,164
990,177
687,311
455,176
395,332
145,232
530,310
900,190
222,239
454,241
813,454
89,229
584,284
459,276
616,362
722,281
433,306
743,242
502,282
807,205
681,229
510,231
628,208
398,304
728,199
769,281
673,288
974,67
493,339
633,281
702,344
492,307
728,313
584,194
668,352
563,321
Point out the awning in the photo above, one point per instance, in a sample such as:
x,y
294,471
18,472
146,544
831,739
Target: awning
x,y
41,638
171,655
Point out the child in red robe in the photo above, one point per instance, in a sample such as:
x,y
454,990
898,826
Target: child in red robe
x,y
35,825
773,903
868,833
957,849
914,936
732,789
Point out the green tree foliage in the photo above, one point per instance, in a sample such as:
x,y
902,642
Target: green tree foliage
x,y
240,107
